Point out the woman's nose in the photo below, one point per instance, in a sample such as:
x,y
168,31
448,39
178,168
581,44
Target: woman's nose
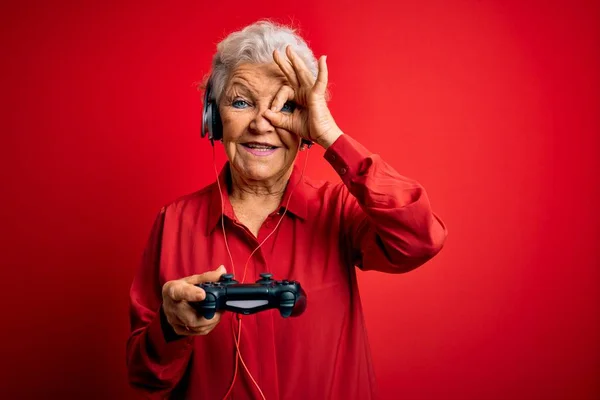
x,y
260,124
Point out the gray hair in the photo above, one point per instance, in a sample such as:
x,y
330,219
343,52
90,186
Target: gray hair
x,y
255,44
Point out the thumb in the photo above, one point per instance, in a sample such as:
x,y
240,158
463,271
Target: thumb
x,y
279,119
210,276
221,270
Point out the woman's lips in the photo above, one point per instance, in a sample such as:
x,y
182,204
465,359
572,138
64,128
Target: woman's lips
x,y
260,152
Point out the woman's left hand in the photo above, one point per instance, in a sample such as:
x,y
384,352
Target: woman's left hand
x,y
311,119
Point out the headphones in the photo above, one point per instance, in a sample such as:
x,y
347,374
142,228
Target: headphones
x,y
212,126
211,120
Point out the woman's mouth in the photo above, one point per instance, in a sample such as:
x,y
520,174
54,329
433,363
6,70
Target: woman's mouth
x,y
259,149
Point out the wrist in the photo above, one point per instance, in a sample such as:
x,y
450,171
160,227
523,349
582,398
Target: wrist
x,y
329,138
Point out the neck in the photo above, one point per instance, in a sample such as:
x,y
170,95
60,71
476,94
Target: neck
x,y
271,190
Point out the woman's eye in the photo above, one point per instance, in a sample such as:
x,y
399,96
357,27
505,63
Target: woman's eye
x,y
288,107
239,104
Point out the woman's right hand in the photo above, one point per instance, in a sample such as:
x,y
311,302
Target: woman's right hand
x,y
177,295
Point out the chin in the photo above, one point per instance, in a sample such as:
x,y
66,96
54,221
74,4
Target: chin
x,y
259,171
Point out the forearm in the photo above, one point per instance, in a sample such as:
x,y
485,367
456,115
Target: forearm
x,y
399,238
388,217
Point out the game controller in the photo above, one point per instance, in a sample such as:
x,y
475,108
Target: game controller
x,y
248,298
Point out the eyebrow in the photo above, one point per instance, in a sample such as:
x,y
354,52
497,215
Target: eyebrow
x,y
241,86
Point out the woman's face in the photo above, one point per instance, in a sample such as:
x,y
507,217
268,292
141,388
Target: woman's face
x,y
255,148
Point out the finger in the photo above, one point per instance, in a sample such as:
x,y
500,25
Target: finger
x,y
187,331
187,323
210,276
182,330
206,330
286,67
184,291
195,324
280,120
203,323
174,320
178,325
304,75
322,76
284,94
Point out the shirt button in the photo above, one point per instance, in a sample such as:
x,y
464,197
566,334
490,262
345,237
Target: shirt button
x,y
343,171
332,157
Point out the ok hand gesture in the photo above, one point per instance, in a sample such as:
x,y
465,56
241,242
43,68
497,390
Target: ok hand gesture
x,y
311,119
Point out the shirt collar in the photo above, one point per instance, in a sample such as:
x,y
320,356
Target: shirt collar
x,y
298,202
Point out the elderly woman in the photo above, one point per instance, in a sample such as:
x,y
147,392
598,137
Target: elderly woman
x,y
263,215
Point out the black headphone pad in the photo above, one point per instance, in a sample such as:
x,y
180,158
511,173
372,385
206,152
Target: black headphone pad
x,y
217,124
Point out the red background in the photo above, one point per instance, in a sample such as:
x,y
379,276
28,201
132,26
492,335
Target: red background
x,y
491,105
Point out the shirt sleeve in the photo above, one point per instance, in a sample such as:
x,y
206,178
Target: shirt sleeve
x,y
387,218
157,357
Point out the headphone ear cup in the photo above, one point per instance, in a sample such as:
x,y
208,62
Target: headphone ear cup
x,y
217,124
207,118
206,121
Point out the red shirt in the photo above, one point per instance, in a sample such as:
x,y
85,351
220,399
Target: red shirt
x,y
375,219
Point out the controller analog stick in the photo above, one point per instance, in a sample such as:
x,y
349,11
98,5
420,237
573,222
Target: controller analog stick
x,y
266,276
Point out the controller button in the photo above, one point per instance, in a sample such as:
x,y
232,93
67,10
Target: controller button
x,y
266,276
227,277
